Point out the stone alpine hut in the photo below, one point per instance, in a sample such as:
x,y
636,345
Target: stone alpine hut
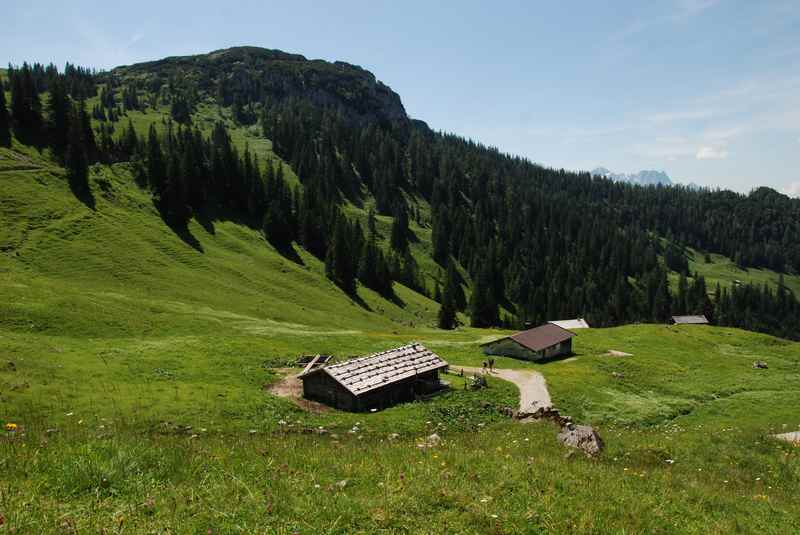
x,y
540,343
377,381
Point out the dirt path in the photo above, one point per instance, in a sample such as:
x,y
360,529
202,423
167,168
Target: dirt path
x,y
533,392
291,388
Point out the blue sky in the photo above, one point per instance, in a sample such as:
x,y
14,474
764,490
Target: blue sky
x,y
706,90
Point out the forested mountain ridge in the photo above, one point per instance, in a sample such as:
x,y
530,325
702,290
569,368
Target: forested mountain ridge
x,y
243,77
534,243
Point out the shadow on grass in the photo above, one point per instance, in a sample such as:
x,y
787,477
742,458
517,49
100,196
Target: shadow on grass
x,y
205,220
394,299
559,358
83,193
359,301
179,227
288,252
182,231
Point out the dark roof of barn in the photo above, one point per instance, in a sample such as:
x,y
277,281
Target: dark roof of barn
x,y
541,337
690,320
365,374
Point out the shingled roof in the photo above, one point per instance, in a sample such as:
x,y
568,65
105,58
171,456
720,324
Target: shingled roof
x,y
364,374
690,320
541,337
577,323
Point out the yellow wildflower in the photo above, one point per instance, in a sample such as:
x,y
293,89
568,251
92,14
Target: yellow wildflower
x,y
11,427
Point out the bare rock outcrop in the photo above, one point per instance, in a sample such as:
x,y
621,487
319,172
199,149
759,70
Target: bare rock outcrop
x,y
582,437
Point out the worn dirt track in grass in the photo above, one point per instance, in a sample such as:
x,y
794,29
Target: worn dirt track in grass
x,y
533,392
291,388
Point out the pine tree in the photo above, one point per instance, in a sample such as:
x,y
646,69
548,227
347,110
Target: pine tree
x,y
400,230
682,304
484,311
5,124
276,225
339,261
25,106
452,285
156,171
76,160
58,112
447,312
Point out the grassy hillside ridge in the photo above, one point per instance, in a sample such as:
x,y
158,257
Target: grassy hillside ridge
x,y
122,246
137,363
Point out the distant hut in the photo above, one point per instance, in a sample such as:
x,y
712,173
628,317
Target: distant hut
x,y
689,320
577,323
377,381
541,343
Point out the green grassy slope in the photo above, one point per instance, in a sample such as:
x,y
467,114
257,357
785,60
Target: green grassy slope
x,y
676,374
724,271
116,325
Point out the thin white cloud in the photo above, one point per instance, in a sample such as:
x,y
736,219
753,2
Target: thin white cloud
x,y
680,11
675,116
135,38
711,153
724,133
693,7
793,189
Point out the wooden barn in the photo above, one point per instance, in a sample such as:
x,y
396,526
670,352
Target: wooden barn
x,y
689,320
540,343
377,381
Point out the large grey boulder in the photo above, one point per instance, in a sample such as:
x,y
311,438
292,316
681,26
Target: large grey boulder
x,y
582,437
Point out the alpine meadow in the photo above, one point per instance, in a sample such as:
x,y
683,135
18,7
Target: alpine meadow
x,y
193,251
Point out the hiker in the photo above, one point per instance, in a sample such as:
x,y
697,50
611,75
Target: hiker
x,y
484,366
491,365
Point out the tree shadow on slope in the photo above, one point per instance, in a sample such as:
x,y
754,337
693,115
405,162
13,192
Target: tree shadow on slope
x,y
178,222
79,186
359,301
205,219
287,251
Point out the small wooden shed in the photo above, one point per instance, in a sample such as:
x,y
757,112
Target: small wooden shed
x,y
540,343
377,381
689,320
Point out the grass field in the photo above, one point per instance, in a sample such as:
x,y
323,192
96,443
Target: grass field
x,y
135,366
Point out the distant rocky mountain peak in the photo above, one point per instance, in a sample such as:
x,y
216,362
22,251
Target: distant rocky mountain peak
x,y
643,178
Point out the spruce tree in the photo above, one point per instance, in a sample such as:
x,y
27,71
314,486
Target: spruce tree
x,y
484,311
276,225
5,123
76,161
682,304
400,230
447,312
58,113
340,261
156,171
452,285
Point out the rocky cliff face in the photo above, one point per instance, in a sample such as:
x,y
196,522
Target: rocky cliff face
x,y
251,75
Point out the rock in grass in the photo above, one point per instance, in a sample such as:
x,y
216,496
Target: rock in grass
x,y
760,365
430,442
582,437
